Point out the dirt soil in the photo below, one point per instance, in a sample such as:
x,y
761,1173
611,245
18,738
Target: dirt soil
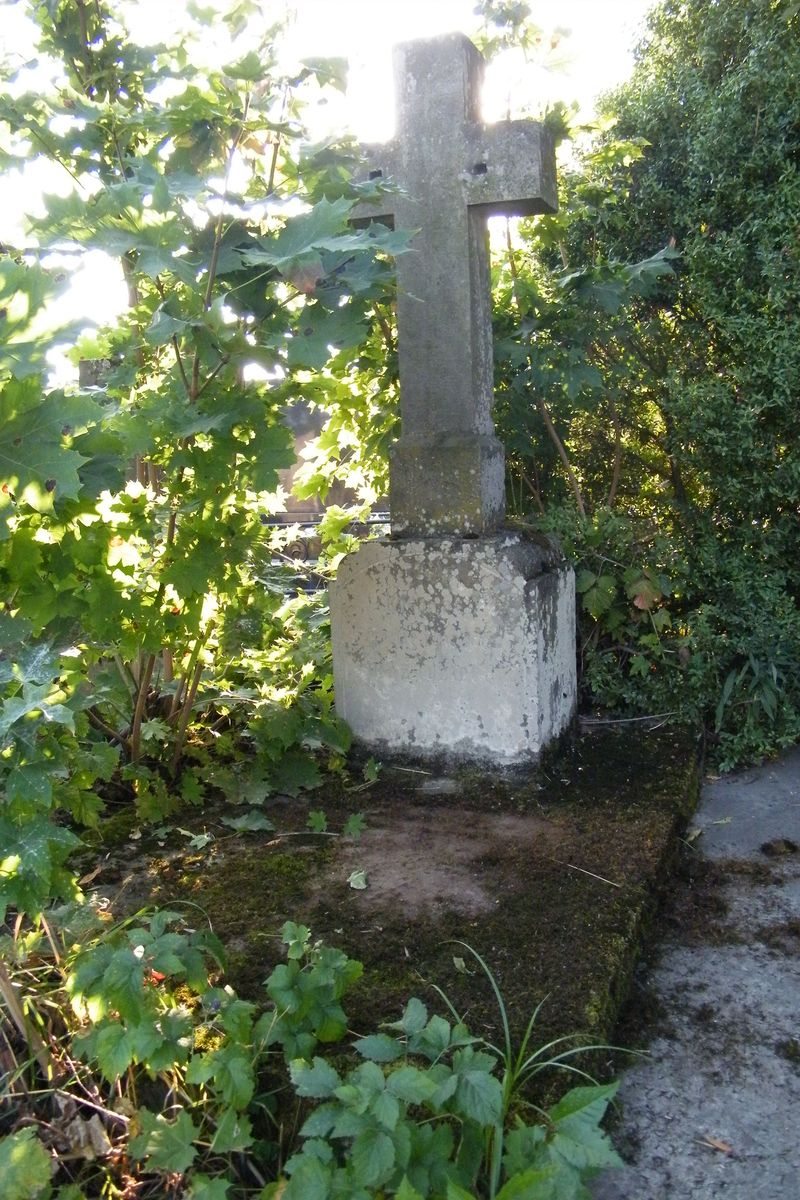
x,y
551,876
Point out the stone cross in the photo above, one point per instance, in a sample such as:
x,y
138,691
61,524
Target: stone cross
x,y
447,469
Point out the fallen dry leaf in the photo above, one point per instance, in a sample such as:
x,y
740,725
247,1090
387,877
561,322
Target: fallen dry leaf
x,y
712,1143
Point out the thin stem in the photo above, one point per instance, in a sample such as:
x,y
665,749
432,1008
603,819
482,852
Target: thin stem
x,y
141,700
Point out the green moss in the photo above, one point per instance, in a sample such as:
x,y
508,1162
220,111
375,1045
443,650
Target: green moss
x,y
567,911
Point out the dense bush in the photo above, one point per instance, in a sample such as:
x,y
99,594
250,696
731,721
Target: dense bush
x,y
649,358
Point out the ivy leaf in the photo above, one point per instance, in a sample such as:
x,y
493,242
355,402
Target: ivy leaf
x,y
25,1167
167,1145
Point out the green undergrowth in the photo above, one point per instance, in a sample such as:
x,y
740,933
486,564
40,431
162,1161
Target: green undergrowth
x,y
568,908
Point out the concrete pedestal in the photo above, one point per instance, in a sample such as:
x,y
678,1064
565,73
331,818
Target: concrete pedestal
x,y
456,648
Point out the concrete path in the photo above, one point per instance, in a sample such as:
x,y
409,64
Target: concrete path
x,y
715,1110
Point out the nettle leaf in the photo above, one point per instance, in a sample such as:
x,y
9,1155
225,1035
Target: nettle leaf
x,y
167,1145
25,1167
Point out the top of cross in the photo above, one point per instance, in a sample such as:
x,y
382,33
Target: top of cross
x,y
453,171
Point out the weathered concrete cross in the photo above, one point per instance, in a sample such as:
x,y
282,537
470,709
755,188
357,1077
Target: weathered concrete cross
x,y
447,469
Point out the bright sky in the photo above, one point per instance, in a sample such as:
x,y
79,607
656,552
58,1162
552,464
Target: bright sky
x,y
595,40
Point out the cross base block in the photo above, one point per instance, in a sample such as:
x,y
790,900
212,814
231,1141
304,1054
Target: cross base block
x,y
456,649
447,483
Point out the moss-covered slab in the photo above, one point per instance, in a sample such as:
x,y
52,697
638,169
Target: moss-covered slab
x,y
550,877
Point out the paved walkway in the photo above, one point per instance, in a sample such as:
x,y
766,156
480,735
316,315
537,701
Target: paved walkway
x,y
715,1110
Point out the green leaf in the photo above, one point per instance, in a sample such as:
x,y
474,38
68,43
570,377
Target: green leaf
x,y
166,1145
317,821
252,820
234,1075
379,1047
372,1158
203,1187
252,67
354,826
331,71
33,699
413,1020
531,1185
303,234
478,1093
294,772
113,1050
318,1081
36,465
406,1191
358,879
412,1085
234,1132
321,333
578,1139
25,1167
456,1192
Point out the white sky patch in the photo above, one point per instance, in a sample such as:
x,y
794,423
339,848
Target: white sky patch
x,y
594,57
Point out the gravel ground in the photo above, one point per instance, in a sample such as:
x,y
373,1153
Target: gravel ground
x,y
713,1111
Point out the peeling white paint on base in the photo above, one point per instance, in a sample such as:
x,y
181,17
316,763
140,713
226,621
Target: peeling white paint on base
x,y
463,648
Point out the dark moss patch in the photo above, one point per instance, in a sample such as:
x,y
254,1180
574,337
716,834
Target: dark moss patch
x,y
790,1050
551,877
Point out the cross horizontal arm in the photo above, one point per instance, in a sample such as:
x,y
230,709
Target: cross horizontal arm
x,y
510,169
380,165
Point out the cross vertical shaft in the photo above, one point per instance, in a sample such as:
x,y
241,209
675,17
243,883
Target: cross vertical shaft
x,y
447,469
